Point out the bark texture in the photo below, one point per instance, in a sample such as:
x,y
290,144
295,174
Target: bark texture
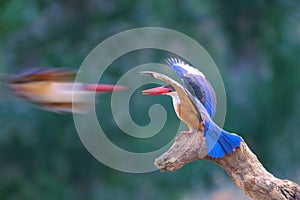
x,y
242,166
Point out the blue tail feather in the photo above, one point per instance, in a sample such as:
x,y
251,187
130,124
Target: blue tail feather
x,y
231,139
220,142
227,147
215,149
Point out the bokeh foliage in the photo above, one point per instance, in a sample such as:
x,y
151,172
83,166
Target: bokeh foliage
x,y
255,44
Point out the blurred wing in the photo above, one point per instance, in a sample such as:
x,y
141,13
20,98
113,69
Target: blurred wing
x,y
41,74
190,108
196,83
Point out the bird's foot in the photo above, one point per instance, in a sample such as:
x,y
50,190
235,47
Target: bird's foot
x,y
186,132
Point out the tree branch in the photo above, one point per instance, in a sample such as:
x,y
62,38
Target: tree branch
x,y
242,165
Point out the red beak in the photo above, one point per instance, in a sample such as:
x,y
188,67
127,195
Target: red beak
x,y
156,91
103,87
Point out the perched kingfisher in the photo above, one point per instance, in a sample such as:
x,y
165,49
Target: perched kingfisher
x,y
53,89
196,101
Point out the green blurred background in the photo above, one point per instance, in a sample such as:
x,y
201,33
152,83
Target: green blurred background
x,y
255,44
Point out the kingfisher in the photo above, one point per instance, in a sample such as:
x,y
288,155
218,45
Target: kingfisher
x,y
53,89
195,105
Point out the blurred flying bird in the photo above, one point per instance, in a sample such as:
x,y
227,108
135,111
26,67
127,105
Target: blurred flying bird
x,y
190,107
54,90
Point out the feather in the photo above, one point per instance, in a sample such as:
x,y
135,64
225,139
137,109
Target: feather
x,y
218,141
196,83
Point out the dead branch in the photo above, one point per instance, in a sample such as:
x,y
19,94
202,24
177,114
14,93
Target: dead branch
x,y
242,165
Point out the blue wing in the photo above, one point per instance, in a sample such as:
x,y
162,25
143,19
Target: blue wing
x,y
196,83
